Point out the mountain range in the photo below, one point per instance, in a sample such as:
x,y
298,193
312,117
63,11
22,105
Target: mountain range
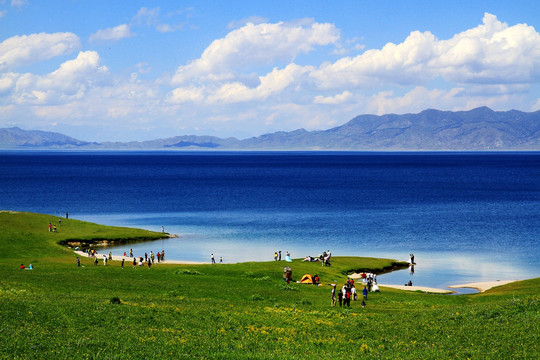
x,y
480,129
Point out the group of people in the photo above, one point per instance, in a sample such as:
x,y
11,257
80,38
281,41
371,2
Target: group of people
x,y
277,256
347,292
370,281
324,258
22,267
147,260
52,228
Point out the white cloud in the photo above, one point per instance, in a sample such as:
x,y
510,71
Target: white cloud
x,y
490,53
254,45
25,50
112,34
344,97
71,80
270,84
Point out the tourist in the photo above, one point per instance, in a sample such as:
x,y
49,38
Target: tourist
x,y
50,227
213,260
110,255
340,297
78,262
123,263
21,267
353,291
221,259
333,302
279,255
130,253
365,292
275,255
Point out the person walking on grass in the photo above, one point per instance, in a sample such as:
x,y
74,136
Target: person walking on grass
x,y
123,263
78,262
333,295
365,292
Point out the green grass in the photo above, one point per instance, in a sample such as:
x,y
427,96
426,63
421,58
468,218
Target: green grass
x,y
230,311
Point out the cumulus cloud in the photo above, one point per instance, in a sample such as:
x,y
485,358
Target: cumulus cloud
x,y
334,100
254,45
71,80
112,34
493,52
25,50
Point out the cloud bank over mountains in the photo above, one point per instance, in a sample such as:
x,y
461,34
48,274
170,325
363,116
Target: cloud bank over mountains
x,y
258,78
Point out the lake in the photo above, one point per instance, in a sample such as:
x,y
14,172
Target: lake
x,y
465,216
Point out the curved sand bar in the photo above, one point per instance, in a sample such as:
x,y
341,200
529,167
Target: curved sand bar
x,y
419,288
483,286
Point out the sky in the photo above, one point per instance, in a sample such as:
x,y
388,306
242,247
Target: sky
x,y
101,70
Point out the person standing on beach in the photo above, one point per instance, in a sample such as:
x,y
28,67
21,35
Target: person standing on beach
x,y
130,252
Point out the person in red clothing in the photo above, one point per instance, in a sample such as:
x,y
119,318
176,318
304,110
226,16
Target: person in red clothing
x,y
22,266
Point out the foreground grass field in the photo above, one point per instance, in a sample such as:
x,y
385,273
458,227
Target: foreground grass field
x,y
230,311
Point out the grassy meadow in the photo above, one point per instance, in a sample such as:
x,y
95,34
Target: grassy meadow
x,y
233,311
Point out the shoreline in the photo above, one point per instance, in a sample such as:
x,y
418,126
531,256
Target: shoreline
x,y
482,286
127,258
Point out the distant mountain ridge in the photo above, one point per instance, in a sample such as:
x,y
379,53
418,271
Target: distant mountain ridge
x,y
480,129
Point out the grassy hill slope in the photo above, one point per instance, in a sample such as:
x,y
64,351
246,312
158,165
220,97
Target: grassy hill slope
x,y
233,311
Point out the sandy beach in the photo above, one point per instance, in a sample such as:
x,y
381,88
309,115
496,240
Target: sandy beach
x,y
128,259
483,286
421,288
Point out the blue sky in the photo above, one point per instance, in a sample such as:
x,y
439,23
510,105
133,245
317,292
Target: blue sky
x,y
140,70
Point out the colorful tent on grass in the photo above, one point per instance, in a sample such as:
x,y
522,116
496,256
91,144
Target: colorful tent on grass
x,y
306,279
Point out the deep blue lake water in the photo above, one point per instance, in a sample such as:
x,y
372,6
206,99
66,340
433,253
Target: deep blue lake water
x,y
466,217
